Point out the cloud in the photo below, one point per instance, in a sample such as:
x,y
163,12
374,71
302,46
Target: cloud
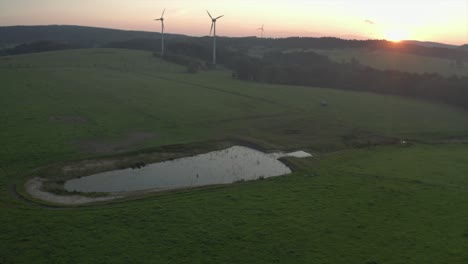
x,y
370,22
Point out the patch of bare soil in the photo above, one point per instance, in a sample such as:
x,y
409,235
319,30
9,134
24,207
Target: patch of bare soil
x,y
48,185
363,139
89,166
450,141
101,146
34,188
78,120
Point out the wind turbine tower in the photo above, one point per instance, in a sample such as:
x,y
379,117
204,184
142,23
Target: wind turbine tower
x,y
162,31
213,29
262,30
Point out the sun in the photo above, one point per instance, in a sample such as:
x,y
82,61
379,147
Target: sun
x,y
396,35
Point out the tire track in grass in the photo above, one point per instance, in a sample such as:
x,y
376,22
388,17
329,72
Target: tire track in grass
x,y
25,201
247,118
292,110
237,94
264,100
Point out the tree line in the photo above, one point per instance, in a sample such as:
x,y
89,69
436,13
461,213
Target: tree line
x,y
296,68
312,69
38,46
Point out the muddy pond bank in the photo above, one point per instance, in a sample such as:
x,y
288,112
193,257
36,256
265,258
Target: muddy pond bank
x,y
169,168
226,166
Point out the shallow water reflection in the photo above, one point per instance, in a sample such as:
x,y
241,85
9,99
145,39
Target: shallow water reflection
x,y
219,167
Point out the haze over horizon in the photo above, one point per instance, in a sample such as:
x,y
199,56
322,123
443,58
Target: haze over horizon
x,y
432,20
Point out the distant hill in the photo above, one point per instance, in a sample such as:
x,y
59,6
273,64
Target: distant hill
x,y
430,44
136,44
330,43
87,37
73,35
34,47
464,47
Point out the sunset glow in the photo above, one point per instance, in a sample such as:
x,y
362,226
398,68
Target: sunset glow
x,y
397,35
430,20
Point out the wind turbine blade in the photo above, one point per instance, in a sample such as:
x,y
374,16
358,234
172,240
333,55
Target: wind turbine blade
x,y
209,14
163,27
157,19
219,17
164,11
212,25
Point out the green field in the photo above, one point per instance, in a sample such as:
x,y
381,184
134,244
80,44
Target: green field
x,y
387,60
385,204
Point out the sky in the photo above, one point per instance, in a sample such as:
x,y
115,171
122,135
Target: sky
x,y
426,20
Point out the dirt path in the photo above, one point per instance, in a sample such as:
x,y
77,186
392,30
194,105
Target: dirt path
x,y
33,187
15,194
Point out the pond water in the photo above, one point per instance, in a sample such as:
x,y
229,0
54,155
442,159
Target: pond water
x,y
219,167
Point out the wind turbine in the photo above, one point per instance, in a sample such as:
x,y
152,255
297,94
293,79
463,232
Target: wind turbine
x,y
162,31
261,30
213,29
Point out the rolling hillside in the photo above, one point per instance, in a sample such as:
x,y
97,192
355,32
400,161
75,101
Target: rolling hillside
x,y
75,35
387,60
362,198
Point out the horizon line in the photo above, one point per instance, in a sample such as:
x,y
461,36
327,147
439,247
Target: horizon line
x,y
361,38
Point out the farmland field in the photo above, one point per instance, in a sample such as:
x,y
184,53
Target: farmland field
x,y
387,60
373,204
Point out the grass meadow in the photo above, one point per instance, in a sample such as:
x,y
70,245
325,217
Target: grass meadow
x,y
375,204
387,60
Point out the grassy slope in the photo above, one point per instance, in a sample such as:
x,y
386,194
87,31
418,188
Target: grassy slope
x,y
396,61
348,213
367,205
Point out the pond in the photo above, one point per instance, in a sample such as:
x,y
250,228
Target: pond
x,y
219,167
